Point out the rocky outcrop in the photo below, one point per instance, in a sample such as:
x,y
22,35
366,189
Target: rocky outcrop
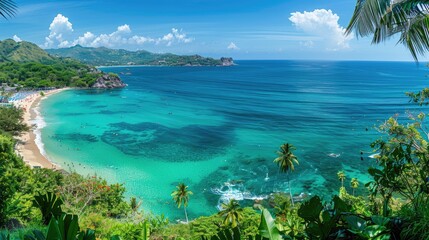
x,y
227,61
108,81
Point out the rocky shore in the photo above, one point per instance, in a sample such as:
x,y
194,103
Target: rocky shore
x,y
227,61
108,81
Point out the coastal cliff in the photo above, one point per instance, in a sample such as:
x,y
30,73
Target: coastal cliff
x,y
108,81
227,61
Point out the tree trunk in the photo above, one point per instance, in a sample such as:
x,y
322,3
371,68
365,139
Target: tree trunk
x,y
290,190
186,214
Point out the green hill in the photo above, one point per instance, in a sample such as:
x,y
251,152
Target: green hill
x,y
24,64
110,57
11,51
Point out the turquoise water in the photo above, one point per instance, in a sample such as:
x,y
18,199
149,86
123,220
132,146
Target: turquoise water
x,y
211,127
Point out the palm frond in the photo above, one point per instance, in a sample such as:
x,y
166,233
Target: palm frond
x,y
7,8
416,36
410,4
366,16
385,18
181,195
391,23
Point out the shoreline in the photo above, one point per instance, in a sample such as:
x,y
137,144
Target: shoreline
x,y
137,65
29,145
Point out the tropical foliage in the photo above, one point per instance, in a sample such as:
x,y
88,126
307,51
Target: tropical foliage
x,y
7,8
383,19
181,197
354,183
286,161
341,176
11,121
37,75
232,213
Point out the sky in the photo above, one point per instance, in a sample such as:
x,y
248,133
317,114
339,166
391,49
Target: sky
x,y
242,29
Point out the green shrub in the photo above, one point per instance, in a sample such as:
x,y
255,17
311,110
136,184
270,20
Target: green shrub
x,y
416,223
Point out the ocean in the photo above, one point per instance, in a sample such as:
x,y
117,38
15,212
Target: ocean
x,y
217,129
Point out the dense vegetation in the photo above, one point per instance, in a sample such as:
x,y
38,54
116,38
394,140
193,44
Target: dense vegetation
x,y
26,65
109,57
36,75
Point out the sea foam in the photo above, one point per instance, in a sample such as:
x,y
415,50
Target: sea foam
x,y
39,124
229,191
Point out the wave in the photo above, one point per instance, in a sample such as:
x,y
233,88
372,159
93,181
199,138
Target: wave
x,y
334,155
39,123
229,191
375,155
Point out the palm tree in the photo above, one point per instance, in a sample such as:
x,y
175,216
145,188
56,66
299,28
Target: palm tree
x,y
181,195
286,160
134,204
7,8
354,184
385,18
341,176
232,212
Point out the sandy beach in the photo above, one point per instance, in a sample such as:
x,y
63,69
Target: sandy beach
x,y
26,145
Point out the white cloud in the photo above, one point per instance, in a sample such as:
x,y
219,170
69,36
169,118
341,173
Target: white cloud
x,y
175,36
84,40
16,38
124,29
180,36
232,46
61,28
324,24
117,38
139,40
169,37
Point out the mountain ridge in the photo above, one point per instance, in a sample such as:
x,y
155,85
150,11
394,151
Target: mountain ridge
x,y
103,56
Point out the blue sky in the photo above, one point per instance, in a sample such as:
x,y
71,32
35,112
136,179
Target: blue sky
x,y
243,29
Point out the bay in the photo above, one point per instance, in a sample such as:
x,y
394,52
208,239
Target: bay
x,y
218,128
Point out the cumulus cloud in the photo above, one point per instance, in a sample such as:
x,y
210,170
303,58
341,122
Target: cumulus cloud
x,y
232,46
116,38
85,40
323,24
167,37
175,35
124,29
61,27
139,40
16,38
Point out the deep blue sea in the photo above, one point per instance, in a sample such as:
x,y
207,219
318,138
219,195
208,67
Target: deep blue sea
x,y
218,128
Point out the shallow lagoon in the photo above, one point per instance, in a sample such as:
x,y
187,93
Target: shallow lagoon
x,y
207,126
